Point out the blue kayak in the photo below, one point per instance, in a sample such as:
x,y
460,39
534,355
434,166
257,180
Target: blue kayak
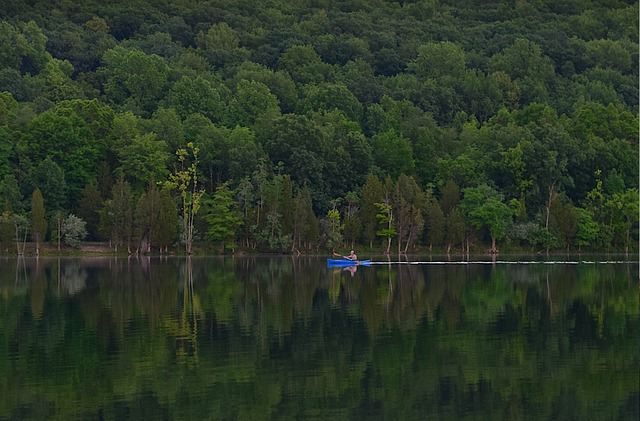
x,y
346,262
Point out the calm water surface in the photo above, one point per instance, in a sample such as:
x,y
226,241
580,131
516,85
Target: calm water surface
x,y
289,338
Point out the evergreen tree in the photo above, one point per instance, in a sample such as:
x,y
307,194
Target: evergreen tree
x,y
223,219
372,193
436,224
116,216
89,210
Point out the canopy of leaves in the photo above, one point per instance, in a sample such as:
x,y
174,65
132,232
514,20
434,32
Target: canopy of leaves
x,y
532,98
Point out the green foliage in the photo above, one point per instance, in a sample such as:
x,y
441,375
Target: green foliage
x,y
484,207
116,216
372,193
531,98
144,160
331,96
185,181
385,221
244,153
223,218
196,95
10,196
436,223
393,153
455,228
252,103
133,79
89,210
439,61
73,230
334,236
587,229
38,219
65,138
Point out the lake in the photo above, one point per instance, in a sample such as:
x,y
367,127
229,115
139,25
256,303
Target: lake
x,y
253,338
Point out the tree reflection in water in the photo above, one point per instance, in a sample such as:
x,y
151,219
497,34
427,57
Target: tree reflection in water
x,y
287,337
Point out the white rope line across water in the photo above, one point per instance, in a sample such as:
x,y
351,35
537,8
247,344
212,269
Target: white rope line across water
x,y
508,262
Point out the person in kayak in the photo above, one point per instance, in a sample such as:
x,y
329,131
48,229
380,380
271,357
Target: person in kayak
x,y
351,256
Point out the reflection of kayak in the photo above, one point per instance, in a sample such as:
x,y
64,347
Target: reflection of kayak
x,y
346,262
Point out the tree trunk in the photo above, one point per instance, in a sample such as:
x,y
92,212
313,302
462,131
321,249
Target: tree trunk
x,y
552,196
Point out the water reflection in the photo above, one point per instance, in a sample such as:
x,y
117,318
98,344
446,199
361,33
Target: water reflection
x,y
261,337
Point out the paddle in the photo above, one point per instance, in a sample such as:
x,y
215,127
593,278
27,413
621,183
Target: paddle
x,y
340,255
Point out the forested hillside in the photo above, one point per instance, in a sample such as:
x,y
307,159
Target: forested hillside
x,y
316,125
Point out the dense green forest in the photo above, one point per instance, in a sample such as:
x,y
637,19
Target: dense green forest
x,y
298,126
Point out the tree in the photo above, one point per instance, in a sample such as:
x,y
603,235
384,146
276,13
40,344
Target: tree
x,y
525,63
7,229
25,47
435,222
305,223
351,219
38,219
116,216
408,203
58,83
197,96
270,231
51,180
252,104
286,205
15,44
156,219
168,127
302,147
223,218
278,82
213,149
587,229
73,230
348,159
184,179
438,60
145,160
7,148
167,220
10,196
450,196
455,228
146,218
57,219
244,153
305,65
483,207
66,138
134,79
385,220
623,212
372,193
393,154
89,210
21,227
334,230
220,45
563,225
331,96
